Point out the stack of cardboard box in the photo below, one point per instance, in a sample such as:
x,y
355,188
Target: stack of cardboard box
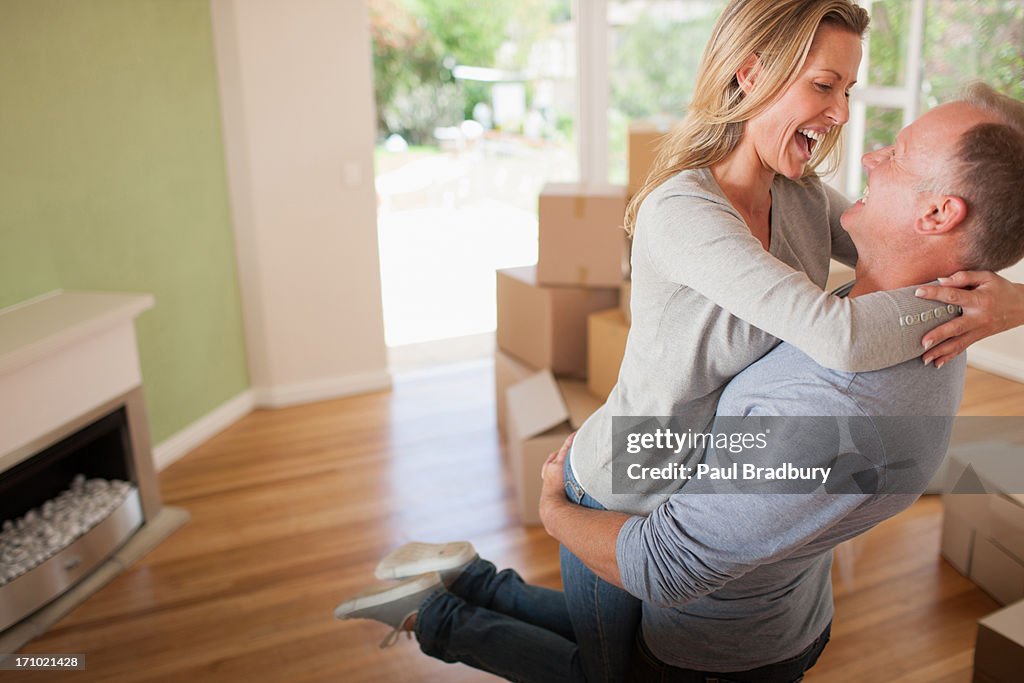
x,y
983,538
983,533
642,145
562,325
607,330
542,412
542,327
642,148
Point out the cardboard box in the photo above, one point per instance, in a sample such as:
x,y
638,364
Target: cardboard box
x,y
578,400
971,508
625,292
983,538
580,235
975,464
838,274
1006,525
990,524
507,371
606,336
957,541
546,327
996,572
541,415
642,148
999,649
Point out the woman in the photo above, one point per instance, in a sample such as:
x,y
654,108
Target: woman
x,y
733,234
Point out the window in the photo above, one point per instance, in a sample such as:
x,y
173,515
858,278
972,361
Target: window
x,y
919,53
654,49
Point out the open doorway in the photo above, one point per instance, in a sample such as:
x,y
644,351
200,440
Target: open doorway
x,y
475,112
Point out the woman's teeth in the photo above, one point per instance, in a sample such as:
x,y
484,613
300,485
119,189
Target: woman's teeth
x,y
817,137
864,197
809,139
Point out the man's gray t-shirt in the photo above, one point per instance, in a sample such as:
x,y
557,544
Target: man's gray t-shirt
x,y
731,582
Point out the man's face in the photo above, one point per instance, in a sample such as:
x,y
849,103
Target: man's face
x,y
921,156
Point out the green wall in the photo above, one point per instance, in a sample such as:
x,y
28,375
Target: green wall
x,y
112,177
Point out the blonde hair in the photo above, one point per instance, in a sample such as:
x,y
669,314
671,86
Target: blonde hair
x,y
780,33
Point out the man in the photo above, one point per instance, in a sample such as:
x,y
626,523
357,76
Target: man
x,y
713,569
719,569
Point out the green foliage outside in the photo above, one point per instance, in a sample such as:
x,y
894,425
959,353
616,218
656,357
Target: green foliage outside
x,y
887,47
653,61
967,40
417,44
963,41
652,68
887,42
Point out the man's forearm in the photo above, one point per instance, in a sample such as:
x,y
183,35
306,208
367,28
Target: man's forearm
x,y
590,535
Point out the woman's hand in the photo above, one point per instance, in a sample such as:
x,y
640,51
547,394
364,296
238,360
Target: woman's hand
x,y
991,304
552,492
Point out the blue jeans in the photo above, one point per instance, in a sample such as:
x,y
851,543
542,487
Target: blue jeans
x,y
496,622
605,618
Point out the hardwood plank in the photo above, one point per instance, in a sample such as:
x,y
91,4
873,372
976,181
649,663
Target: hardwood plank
x,y
291,509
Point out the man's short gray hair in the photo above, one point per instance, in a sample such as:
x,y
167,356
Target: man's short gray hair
x,y
984,96
988,173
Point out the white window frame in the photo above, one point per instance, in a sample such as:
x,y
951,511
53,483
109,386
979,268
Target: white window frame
x,y
592,90
593,84
906,97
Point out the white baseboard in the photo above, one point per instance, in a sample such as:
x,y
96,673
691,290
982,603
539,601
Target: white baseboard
x,y
1002,364
171,449
174,447
321,389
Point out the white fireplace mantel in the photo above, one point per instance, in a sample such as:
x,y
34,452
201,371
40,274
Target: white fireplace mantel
x,y
69,360
63,356
42,325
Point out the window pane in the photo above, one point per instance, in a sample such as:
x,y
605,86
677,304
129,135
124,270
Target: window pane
x,y
972,39
888,42
654,47
881,126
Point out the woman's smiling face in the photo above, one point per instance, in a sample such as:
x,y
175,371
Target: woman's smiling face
x,y
785,134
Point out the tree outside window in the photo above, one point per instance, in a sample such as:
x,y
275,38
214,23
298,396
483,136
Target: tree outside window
x,y
963,40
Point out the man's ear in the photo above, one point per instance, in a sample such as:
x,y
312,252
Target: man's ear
x,y
940,214
748,72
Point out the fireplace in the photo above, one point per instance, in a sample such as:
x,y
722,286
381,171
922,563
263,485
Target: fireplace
x,y
76,471
63,512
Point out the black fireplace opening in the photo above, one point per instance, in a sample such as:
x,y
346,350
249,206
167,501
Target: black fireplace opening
x,y
100,450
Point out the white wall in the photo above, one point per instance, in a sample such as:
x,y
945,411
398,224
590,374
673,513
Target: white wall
x,y
296,85
1002,354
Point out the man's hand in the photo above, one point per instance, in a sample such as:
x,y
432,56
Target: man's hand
x,y
589,534
552,493
991,304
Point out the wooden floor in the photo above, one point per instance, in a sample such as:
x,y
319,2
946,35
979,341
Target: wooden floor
x,y
292,508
